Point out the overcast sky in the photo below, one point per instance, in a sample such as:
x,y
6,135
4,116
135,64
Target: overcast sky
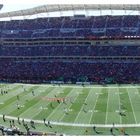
x,y
12,5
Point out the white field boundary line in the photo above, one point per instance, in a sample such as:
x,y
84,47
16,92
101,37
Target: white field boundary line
x,y
76,124
107,108
119,104
132,106
90,92
86,86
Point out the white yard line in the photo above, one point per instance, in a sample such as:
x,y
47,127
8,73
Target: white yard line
x,y
69,107
132,106
119,105
56,109
107,108
76,124
93,108
82,107
37,112
10,109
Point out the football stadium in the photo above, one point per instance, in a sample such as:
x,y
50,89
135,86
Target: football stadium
x,y
70,74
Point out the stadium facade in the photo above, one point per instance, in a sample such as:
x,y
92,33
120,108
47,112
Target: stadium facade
x,y
91,49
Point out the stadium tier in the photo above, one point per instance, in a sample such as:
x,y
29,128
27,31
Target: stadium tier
x,y
71,49
96,26
70,71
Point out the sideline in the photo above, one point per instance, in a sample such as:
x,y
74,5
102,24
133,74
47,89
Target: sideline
x,y
85,86
75,124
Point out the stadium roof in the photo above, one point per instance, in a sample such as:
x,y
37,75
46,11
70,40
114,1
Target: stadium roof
x,y
68,7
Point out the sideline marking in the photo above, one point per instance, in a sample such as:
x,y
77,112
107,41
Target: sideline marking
x,y
74,124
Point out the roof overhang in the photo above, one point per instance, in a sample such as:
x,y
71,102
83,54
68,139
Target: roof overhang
x,y
68,7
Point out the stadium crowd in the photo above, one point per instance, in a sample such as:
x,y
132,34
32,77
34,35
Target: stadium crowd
x,y
69,50
70,71
71,26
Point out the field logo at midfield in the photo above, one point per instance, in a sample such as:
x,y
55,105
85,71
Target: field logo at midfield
x,y
61,99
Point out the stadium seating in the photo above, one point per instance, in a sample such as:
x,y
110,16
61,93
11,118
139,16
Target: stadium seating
x,y
52,27
69,69
69,50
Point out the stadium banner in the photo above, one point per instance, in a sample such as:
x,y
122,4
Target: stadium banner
x,y
83,83
57,82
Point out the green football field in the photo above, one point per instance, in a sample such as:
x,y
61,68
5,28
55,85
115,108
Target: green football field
x,y
73,109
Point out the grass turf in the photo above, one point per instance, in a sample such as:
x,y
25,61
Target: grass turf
x,y
84,105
